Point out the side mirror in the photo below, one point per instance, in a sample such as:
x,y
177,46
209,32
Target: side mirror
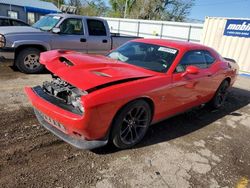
x,y
191,70
56,30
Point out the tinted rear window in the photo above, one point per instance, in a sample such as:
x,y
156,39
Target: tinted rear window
x,y
96,28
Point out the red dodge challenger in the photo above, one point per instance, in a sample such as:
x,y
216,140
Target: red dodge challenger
x,y
93,99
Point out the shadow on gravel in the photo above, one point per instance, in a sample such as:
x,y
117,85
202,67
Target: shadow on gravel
x,y
188,122
15,69
8,71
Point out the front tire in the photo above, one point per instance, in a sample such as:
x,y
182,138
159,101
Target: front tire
x,y
131,124
220,96
27,61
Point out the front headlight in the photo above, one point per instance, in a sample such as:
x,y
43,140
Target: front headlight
x,y
2,41
76,100
77,103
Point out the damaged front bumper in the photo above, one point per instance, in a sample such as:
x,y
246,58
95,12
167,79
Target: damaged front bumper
x,y
68,126
78,143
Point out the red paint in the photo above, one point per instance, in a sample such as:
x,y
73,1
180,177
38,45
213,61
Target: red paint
x,y
170,92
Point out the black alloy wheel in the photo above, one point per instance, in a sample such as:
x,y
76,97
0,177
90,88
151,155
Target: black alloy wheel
x,y
220,95
131,124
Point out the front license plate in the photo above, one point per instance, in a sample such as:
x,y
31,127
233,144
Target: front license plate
x,y
53,122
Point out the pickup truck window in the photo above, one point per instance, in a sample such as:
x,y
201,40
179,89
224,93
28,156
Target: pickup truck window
x,y
47,22
72,26
96,27
148,56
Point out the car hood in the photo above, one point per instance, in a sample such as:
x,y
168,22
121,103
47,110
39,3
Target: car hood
x,y
18,30
90,71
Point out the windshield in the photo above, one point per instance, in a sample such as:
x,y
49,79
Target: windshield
x,y
47,22
149,56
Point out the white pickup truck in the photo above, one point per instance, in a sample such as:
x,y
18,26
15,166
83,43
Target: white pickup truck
x,y
23,44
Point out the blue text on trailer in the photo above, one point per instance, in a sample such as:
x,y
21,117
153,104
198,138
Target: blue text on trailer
x,y
237,28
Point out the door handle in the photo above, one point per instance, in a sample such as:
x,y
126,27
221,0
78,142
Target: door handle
x,y
104,41
209,74
83,40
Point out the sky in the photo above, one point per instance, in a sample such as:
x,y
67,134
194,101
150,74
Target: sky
x,y
220,8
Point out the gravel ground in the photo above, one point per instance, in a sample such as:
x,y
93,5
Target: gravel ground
x,y
200,148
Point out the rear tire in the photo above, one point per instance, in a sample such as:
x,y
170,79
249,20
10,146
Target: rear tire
x,y
27,61
220,96
131,124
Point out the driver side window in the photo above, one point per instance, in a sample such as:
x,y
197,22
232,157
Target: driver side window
x,y
72,26
194,57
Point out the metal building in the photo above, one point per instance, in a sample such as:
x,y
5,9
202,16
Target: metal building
x,y
27,10
230,37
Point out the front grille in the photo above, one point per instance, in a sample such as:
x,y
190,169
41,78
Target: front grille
x,y
60,103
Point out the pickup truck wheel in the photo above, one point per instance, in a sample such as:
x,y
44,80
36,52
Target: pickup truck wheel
x,y
28,61
220,96
131,124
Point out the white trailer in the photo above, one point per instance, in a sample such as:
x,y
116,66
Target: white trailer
x,y
230,37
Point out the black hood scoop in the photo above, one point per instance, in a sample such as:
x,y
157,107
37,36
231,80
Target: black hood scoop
x,y
66,61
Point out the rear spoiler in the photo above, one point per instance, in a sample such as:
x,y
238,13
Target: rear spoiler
x,y
229,59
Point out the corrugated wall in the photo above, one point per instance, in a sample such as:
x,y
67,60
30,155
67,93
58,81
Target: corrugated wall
x,y
237,48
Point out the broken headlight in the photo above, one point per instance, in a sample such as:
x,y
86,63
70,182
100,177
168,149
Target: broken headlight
x,y
77,103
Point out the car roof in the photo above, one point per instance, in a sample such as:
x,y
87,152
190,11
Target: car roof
x,y
181,45
72,16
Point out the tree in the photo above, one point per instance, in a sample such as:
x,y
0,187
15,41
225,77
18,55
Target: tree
x,y
148,9
176,10
75,3
89,7
121,8
94,8
58,3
